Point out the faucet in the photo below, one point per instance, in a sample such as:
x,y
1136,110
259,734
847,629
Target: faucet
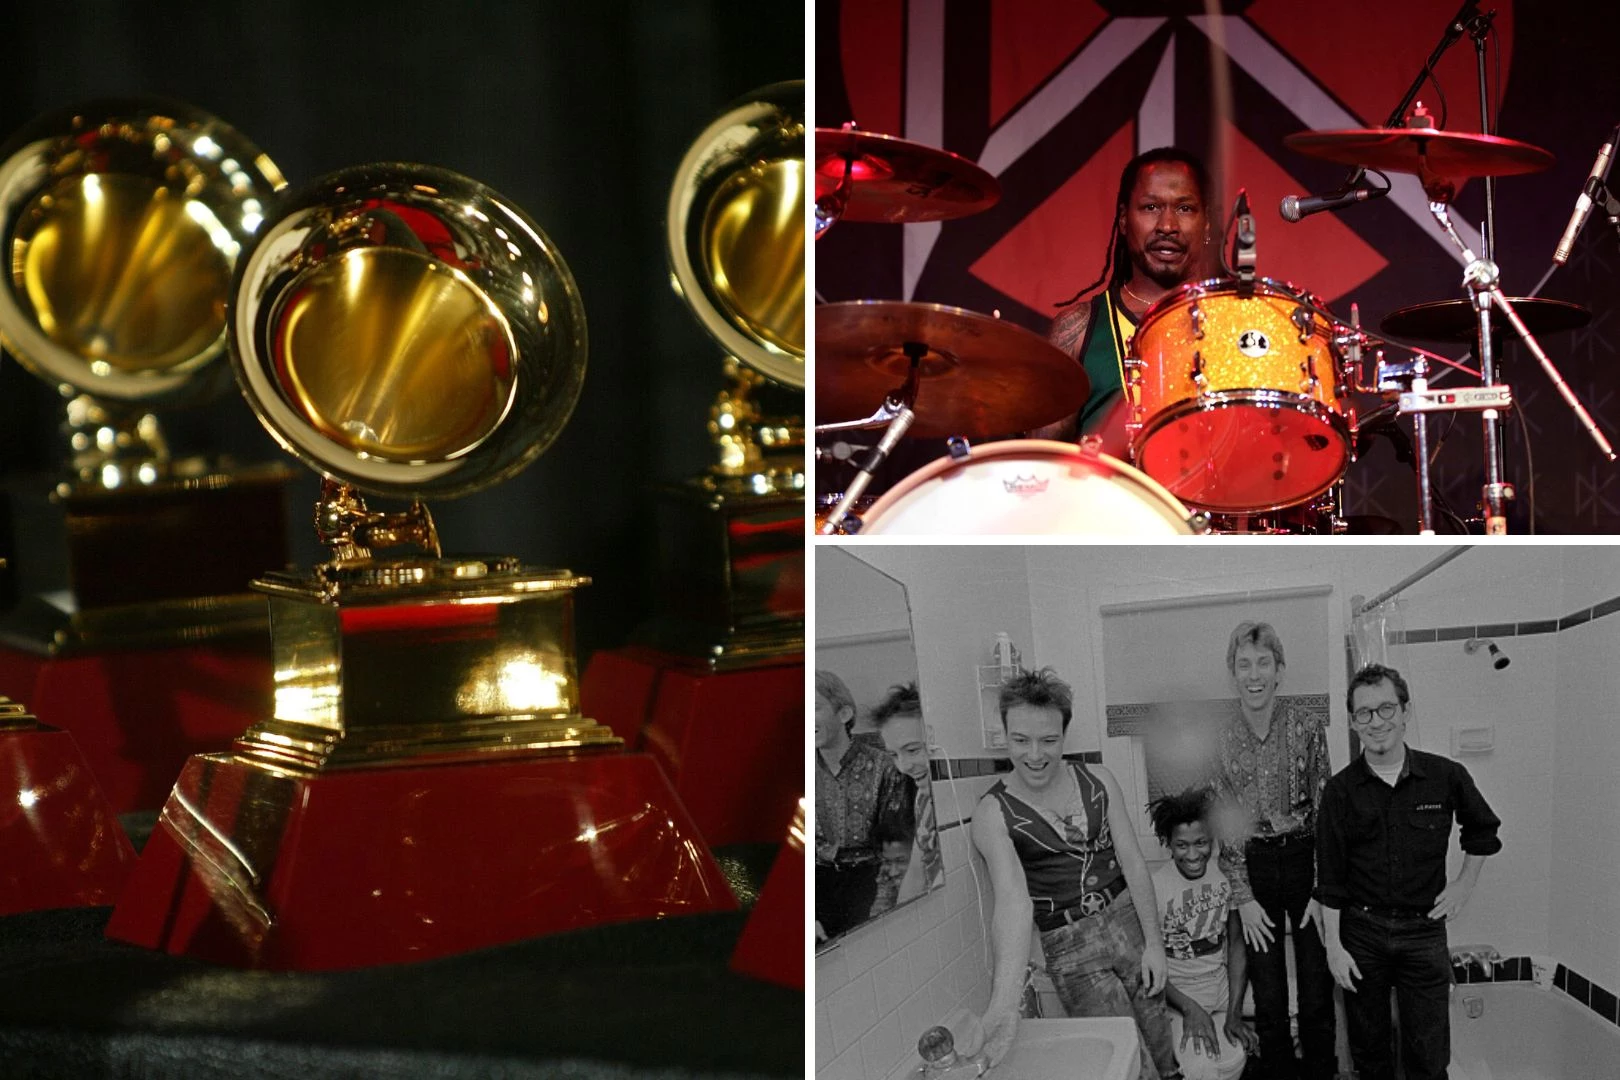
x,y
937,1048
1486,956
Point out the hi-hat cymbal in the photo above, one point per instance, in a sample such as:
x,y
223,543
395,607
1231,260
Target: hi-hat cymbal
x,y
1455,320
979,376
893,180
1434,156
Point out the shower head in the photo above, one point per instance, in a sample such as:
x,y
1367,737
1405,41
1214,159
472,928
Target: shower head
x,y
1499,659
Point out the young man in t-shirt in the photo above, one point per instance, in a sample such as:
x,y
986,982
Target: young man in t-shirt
x,y
1205,959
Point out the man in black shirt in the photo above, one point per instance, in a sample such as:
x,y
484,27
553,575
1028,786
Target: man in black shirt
x,y
1381,836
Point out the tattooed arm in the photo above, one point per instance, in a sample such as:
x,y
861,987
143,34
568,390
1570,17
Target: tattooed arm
x,y
1068,333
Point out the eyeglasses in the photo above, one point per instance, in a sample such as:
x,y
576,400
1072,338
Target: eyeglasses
x,y
1386,711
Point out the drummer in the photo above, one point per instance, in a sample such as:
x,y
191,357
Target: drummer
x,y
1161,241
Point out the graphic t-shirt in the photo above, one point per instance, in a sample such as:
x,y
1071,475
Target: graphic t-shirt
x,y
1192,919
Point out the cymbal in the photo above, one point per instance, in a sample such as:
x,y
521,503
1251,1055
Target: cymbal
x,y
1429,153
895,181
979,377
1455,320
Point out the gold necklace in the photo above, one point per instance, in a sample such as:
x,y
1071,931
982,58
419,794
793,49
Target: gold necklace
x,y
1140,300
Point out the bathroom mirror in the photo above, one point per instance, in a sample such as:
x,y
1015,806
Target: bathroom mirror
x,y
877,839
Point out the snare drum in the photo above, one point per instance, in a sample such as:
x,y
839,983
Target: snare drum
x,y
1027,486
1236,401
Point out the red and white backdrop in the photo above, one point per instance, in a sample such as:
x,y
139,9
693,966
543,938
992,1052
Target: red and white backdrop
x,y
1053,97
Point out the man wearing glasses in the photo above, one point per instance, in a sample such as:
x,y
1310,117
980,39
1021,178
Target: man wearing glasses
x,y
1381,837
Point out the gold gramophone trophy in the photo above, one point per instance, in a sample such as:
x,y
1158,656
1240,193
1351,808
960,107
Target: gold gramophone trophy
x,y
425,782
122,221
714,684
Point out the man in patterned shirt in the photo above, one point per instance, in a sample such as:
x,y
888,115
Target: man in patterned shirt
x,y
1273,767
864,822
898,718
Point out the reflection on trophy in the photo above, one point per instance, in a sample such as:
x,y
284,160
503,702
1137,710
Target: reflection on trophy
x,y
123,221
714,687
407,332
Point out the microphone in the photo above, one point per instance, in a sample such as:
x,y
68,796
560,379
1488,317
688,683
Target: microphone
x,y
1295,207
1583,204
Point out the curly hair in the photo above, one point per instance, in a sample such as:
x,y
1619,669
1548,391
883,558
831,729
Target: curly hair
x,y
1042,689
1372,675
1168,811
901,700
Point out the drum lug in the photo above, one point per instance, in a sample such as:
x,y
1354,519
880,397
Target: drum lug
x,y
1196,314
1132,367
1198,522
1198,377
1305,322
1308,369
958,448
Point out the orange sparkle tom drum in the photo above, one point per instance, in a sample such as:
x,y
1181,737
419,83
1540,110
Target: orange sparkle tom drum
x,y
1237,403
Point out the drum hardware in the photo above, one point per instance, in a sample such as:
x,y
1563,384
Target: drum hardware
x,y
864,176
895,416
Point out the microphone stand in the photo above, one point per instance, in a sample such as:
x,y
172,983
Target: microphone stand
x,y
896,414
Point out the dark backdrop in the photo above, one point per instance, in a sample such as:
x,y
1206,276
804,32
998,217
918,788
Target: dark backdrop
x,y
1046,237
577,111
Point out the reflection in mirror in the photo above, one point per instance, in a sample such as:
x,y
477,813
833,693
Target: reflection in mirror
x,y
877,839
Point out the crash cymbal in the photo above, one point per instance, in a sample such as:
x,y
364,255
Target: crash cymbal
x,y
1440,159
1455,320
979,376
894,180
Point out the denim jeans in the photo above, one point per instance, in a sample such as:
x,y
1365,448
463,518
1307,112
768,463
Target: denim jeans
x,y
1281,878
1409,953
1096,967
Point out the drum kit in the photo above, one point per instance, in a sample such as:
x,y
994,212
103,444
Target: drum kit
x,y
1238,390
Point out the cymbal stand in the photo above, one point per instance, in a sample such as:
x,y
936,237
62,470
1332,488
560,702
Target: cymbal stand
x,y
896,414
830,207
1482,279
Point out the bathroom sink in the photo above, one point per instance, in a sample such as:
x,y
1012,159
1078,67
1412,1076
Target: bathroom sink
x,y
1093,1048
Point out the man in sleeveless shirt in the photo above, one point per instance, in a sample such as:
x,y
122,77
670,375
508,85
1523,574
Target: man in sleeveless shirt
x,y
1272,768
1161,241
1060,845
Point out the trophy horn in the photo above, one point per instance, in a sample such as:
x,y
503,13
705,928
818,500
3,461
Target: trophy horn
x,y
736,231
407,331
122,221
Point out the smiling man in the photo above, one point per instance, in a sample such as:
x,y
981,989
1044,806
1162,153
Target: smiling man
x,y
899,720
1273,767
1063,859
1161,240
1384,829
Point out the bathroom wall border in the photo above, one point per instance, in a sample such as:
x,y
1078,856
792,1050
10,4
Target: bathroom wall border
x,y
1435,634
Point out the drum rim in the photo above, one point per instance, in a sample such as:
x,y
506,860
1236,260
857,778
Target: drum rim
x,y
1180,512
1214,285
1230,399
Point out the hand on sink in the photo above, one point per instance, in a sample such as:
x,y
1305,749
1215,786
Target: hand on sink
x,y
999,1031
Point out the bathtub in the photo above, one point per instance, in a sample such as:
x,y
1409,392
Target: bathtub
x,y
1526,1033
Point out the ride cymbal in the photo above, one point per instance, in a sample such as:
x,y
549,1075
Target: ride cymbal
x,y
978,376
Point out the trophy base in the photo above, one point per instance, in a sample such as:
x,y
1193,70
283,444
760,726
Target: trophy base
x,y
45,625
772,942
256,867
138,715
732,741
731,564
60,845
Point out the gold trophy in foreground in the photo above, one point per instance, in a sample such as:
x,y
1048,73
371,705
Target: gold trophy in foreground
x,y
425,783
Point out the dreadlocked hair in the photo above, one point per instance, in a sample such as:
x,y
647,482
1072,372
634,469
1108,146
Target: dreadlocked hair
x,y
1168,811
1117,265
